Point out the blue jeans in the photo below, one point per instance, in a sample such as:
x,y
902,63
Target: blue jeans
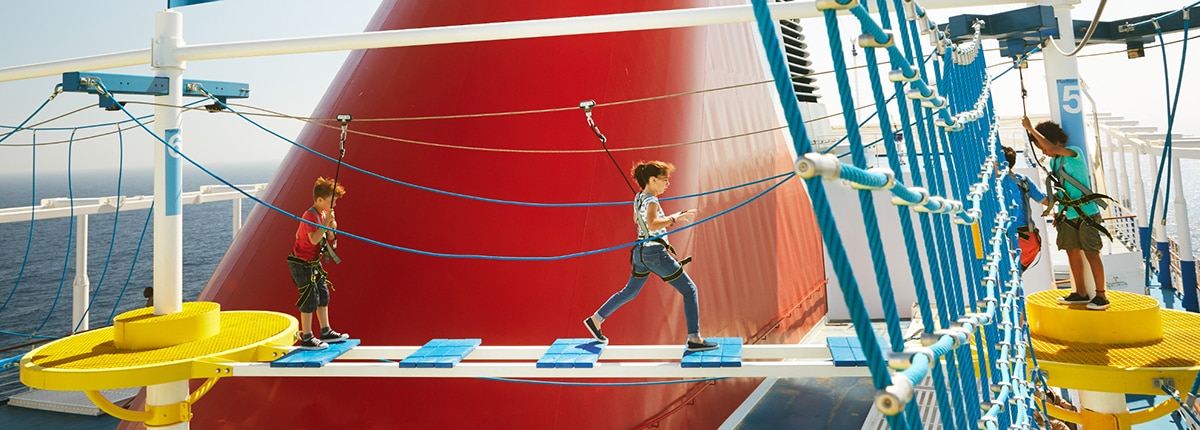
x,y
654,258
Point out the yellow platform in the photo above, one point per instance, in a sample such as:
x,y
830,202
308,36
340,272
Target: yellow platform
x,y
1122,349
143,349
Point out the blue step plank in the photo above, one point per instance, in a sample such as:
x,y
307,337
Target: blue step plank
x,y
315,357
728,355
848,352
441,353
572,353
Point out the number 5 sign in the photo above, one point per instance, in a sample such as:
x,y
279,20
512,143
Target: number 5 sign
x,y
1070,110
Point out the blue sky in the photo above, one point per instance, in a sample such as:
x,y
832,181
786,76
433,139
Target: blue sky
x,y
293,84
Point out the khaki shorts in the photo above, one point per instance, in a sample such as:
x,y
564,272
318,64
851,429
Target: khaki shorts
x,y
1085,237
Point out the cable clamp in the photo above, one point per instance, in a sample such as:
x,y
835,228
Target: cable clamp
x,y
823,5
587,106
814,164
899,76
924,193
892,399
868,40
889,181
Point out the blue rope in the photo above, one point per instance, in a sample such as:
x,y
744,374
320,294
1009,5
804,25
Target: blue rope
x,y
112,239
28,335
948,406
816,190
70,235
467,196
136,252
33,198
1167,149
1131,26
865,198
448,255
945,408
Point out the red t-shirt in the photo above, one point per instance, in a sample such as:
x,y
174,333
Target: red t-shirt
x,y
304,248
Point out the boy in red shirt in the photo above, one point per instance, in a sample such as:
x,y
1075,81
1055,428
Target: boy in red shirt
x,y
305,265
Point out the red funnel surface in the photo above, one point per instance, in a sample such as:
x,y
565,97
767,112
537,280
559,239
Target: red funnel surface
x,y
759,269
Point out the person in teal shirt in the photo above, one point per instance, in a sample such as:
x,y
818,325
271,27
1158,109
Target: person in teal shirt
x,y
1078,222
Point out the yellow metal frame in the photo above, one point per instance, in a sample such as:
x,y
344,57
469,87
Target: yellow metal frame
x,y
143,349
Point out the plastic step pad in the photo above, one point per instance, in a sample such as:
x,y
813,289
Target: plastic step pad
x,y
441,353
315,357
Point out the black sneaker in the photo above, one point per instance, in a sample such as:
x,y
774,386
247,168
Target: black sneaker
x,y
703,345
330,336
1074,299
309,342
591,326
1098,303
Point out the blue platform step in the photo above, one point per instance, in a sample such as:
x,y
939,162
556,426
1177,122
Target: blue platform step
x,y
441,353
728,355
315,357
847,351
572,353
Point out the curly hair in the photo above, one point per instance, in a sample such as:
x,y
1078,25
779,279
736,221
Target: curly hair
x,y
324,188
1052,132
1009,155
643,170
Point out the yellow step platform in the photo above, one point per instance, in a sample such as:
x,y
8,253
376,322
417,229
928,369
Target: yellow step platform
x,y
146,349
1122,349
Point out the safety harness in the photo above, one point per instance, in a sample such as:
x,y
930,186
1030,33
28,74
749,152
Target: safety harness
x,y
1029,226
658,240
326,250
1088,196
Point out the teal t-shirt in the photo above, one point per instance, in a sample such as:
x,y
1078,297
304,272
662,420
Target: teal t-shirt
x,y
1075,166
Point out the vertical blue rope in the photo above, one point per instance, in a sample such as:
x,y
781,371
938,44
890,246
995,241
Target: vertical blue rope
x,y
33,195
136,252
112,239
937,260
945,407
829,230
865,198
70,235
912,412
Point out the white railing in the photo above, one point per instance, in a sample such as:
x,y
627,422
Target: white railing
x,y
61,207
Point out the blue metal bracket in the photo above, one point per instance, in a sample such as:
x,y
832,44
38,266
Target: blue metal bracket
x,y
88,82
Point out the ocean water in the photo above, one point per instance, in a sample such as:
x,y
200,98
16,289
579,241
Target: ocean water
x,y
35,298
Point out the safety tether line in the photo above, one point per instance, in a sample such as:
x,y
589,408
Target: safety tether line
x,y
587,106
450,255
484,199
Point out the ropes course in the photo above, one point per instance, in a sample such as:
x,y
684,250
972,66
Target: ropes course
x,y
975,338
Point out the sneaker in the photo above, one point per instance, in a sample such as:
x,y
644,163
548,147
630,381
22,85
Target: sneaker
x,y
703,345
595,330
1098,303
310,342
1074,299
330,336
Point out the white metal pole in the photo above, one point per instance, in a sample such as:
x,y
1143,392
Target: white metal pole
x,y
1123,177
1160,235
1105,403
79,308
168,190
1187,262
237,216
1139,199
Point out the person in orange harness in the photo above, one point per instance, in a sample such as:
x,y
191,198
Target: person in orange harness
x,y
655,255
305,265
1078,219
1019,188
